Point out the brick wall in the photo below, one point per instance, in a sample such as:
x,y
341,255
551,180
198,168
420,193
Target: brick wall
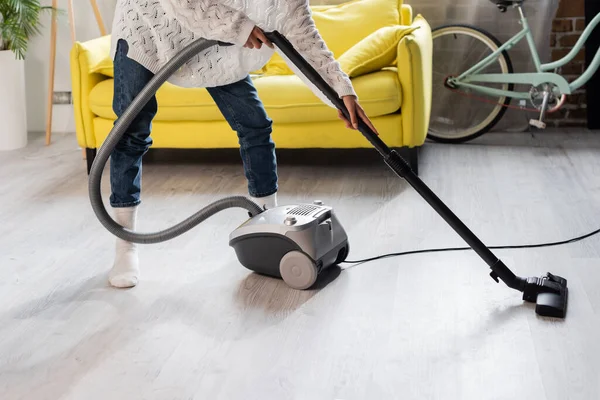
x,y
566,29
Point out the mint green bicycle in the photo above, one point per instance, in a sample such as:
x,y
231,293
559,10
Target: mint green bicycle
x,y
472,91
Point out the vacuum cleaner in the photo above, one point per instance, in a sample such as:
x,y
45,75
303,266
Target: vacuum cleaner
x,y
297,242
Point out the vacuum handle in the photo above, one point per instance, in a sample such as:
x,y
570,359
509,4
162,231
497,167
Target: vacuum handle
x,y
288,49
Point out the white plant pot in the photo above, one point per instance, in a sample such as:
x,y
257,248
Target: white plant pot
x,y
13,115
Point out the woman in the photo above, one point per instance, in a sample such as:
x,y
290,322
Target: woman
x,y
146,34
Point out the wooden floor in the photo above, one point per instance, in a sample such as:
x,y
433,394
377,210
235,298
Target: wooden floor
x,y
199,326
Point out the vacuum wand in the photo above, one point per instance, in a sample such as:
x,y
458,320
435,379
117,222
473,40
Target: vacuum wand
x,y
550,291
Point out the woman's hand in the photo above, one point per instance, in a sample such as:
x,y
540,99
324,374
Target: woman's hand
x,y
256,37
355,111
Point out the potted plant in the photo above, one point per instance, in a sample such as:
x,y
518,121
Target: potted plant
x,y
19,21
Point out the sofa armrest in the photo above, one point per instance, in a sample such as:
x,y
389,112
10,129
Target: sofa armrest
x,y
415,72
87,60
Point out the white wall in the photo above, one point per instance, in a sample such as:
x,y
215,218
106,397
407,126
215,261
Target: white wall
x,y
38,55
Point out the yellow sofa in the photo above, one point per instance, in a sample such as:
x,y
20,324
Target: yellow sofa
x,y
392,80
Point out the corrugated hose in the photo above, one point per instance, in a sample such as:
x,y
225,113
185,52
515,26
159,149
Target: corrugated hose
x,y
117,133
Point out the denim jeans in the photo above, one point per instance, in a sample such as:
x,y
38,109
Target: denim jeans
x,y
239,104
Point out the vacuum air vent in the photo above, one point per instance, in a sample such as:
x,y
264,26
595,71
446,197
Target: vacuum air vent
x,y
303,210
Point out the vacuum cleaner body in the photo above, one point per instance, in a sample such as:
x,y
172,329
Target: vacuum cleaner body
x,y
293,242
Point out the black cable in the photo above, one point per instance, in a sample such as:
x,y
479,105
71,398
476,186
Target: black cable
x,y
523,246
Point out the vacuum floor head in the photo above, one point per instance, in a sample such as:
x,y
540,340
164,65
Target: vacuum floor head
x,y
550,293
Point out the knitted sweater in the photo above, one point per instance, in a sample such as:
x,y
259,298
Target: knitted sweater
x,y
157,29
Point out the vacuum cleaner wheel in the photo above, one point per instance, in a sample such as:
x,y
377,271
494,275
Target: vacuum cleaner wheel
x,y
298,270
343,254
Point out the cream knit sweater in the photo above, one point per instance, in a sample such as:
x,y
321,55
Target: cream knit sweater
x,y
157,29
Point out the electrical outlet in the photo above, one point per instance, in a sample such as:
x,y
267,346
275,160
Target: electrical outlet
x,y
61,98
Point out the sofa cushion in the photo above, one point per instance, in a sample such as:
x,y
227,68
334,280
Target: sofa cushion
x,y
289,100
343,25
376,51
286,98
363,17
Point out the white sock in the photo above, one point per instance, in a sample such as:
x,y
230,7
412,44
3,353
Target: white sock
x,y
266,202
125,271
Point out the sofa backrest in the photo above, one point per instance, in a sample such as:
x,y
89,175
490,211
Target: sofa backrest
x,y
343,25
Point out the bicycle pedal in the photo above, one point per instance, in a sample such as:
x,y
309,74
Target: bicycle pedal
x,y
537,123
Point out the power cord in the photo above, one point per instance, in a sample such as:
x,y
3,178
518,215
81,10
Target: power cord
x,y
523,246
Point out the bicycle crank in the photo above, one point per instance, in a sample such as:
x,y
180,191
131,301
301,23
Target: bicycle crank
x,y
545,98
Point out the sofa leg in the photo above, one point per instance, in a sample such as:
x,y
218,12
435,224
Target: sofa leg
x,y
411,156
413,159
90,154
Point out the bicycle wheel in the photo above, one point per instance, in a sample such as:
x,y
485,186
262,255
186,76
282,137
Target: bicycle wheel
x,y
461,114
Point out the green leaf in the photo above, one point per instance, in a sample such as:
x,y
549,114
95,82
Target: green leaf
x,y
19,22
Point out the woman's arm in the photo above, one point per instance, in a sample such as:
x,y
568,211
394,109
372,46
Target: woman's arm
x,y
210,19
301,31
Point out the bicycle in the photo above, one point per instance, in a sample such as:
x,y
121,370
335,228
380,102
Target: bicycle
x,y
547,93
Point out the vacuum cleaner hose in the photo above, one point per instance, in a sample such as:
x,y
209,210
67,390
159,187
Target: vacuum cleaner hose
x,y
117,133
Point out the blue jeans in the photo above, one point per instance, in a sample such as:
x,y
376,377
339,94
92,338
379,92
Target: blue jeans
x,y
239,104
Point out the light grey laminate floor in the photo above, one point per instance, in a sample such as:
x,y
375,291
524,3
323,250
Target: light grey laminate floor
x,y
199,326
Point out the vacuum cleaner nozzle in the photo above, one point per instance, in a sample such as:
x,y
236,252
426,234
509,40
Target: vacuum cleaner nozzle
x,y
550,293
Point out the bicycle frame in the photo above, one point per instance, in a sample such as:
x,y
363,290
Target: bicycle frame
x,y
541,76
